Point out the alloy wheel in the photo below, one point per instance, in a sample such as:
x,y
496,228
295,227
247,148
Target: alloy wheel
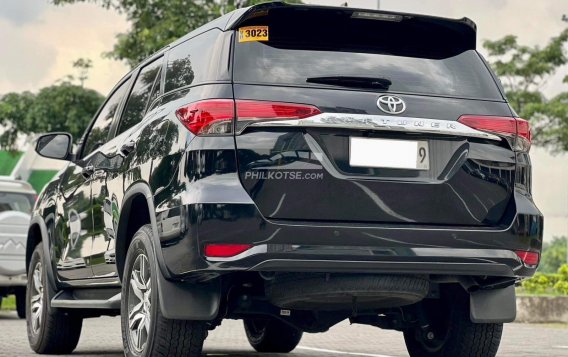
x,y
139,303
36,298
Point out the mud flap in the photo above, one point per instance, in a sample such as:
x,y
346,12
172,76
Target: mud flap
x,y
493,306
183,301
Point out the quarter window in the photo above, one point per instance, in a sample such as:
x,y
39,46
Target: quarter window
x,y
99,132
195,61
140,95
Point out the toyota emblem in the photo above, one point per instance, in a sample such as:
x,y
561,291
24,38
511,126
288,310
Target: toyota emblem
x,y
391,104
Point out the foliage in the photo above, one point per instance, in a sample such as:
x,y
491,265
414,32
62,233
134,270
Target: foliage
x,y
8,303
523,71
547,284
156,23
83,65
61,107
561,287
64,107
13,112
553,255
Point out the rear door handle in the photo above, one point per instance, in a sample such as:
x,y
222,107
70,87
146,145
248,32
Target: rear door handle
x,y
127,148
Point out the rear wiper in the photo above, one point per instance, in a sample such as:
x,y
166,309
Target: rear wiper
x,y
354,82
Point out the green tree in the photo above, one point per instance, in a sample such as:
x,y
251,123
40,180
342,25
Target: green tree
x,y
83,65
61,107
554,255
523,71
156,23
14,108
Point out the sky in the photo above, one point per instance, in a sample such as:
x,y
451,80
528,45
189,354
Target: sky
x,y
40,41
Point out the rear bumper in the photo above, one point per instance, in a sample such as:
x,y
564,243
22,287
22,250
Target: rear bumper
x,y
335,247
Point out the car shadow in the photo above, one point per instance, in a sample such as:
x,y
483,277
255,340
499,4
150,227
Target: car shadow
x,y
232,353
206,353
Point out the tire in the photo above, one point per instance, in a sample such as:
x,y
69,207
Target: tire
x,y
451,331
50,331
158,336
21,302
271,336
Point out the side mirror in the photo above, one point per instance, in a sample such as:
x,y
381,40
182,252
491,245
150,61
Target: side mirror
x,y
55,146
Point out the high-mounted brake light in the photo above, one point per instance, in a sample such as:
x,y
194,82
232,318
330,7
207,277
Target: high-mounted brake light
x,y
225,250
215,116
528,258
517,129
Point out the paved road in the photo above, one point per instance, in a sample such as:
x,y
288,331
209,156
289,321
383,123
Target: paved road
x,y
101,337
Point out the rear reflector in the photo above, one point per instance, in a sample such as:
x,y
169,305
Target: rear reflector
x,y
225,250
215,116
515,128
528,258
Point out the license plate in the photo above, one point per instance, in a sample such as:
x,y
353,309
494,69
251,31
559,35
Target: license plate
x,y
386,153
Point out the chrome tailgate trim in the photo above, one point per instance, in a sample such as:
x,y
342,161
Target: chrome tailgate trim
x,y
380,123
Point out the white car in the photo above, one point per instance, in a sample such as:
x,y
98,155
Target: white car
x,y
16,203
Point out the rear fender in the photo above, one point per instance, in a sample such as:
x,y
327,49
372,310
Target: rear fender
x,y
177,300
39,221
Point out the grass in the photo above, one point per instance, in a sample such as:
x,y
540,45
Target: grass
x,y
8,303
39,178
8,161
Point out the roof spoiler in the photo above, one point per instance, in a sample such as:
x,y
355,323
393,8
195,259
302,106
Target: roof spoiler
x,y
465,28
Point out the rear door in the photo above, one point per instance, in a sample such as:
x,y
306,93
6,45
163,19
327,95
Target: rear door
x,y
110,167
75,259
377,138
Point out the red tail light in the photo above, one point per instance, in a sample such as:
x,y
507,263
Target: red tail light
x,y
215,116
528,258
208,117
515,128
249,111
225,250
253,110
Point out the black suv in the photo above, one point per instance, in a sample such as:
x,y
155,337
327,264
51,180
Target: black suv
x,y
292,166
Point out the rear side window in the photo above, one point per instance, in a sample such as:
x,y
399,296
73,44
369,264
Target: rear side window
x,y
414,55
19,202
146,83
200,59
99,132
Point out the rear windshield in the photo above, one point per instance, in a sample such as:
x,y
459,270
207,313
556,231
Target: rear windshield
x,y
463,75
414,55
20,202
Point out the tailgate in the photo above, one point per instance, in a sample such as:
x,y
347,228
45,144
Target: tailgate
x,y
378,138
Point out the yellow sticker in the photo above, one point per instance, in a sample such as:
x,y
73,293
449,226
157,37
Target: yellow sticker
x,y
253,33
